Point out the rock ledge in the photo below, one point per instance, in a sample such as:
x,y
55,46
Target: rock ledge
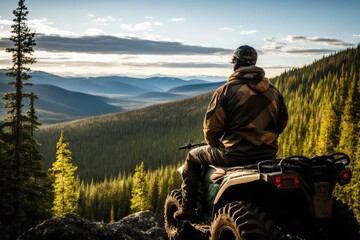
x,y
139,226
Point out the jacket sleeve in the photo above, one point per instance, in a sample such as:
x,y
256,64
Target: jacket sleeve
x,y
214,122
283,115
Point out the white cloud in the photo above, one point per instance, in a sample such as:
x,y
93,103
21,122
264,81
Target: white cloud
x,y
103,21
45,27
5,22
237,29
248,32
227,29
356,35
179,19
90,15
144,26
94,32
150,17
155,37
5,28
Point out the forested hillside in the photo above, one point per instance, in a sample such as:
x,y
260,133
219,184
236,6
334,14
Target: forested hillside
x,y
323,101
106,145
324,105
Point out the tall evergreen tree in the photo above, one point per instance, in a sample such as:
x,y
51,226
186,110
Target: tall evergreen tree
x,y
139,192
29,191
327,137
63,171
6,197
350,119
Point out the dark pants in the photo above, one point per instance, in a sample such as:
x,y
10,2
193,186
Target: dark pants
x,y
205,155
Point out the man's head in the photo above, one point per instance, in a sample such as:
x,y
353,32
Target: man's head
x,y
244,56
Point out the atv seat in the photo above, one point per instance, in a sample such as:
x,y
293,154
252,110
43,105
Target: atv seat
x,y
213,173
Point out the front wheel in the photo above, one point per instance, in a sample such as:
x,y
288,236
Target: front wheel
x,y
174,229
172,204
242,221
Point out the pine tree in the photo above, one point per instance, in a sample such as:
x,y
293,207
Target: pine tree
x,y
356,181
350,120
139,195
327,136
29,191
6,197
63,170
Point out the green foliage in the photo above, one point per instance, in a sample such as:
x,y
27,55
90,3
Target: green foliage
x,y
26,193
64,174
114,143
323,100
139,192
110,200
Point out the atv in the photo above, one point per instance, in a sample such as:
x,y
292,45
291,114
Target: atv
x,y
285,198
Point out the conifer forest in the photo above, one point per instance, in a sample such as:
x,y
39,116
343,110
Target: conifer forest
x,y
109,166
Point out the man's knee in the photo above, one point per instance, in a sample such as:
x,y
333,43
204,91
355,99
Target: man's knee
x,y
199,155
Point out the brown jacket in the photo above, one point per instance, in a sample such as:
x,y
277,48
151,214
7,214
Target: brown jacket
x,y
246,116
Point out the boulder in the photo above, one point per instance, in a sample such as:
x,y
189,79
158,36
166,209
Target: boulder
x,y
138,226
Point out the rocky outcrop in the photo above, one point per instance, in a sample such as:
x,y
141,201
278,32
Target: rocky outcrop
x,y
138,226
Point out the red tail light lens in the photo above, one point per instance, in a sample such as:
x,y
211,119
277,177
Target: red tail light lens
x,y
286,181
344,177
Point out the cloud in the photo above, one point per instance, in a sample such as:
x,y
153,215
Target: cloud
x,y
227,29
179,65
248,32
242,32
144,26
5,27
356,35
320,41
90,15
115,45
44,26
302,45
179,19
94,32
5,22
105,20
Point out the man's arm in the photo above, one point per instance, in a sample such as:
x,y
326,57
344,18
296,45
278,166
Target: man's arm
x,y
214,121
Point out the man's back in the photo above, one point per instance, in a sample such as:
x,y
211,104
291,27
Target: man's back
x,y
247,114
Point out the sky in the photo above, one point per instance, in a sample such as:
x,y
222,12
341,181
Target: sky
x,y
180,38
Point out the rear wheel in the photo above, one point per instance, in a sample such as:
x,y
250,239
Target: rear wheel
x,y
242,221
343,224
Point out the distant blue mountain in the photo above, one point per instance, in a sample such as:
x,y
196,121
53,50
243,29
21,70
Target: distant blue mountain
x,y
159,95
194,89
68,98
56,104
111,84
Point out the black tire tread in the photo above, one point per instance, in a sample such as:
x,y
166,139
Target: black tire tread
x,y
250,222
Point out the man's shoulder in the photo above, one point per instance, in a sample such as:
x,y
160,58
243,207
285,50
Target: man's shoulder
x,y
229,86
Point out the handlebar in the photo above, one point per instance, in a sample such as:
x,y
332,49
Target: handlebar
x,y
192,145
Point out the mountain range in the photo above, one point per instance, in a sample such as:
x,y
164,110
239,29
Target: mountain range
x,y
68,98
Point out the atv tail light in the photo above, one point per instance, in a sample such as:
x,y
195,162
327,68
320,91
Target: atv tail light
x,y
286,181
344,177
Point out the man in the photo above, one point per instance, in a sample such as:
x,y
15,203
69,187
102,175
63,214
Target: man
x,y
241,126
